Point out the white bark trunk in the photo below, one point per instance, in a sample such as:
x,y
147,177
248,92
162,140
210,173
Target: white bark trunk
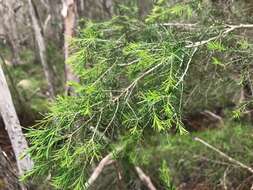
x,y
13,127
69,12
42,48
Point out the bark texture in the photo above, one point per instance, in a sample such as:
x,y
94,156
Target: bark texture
x,y
13,128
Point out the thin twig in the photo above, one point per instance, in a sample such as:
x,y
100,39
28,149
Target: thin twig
x,y
112,119
102,76
182,25
224,155
224,180
222,34
46,23
187,67
96,128
130,63
133,84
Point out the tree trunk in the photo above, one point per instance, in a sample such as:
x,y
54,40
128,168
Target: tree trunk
x,y
69,12
41,48
8,178
9,25
13,128
144,7
108,7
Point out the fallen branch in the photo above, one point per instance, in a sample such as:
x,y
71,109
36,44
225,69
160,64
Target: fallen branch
x,y
224,155
144,178
213,115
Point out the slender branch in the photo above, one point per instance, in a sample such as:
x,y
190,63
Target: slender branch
x,y
222,34
102,164
181,25
187,67
213,115
102,76
46,23
133,84
112,119
130,63
96,128
224,155
144,178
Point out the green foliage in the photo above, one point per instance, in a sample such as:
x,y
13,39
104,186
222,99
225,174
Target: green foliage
x,y
166,176
136,81
216,46
164,11
130,80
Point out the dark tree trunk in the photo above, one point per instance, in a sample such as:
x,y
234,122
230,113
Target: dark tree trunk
x,y
8,177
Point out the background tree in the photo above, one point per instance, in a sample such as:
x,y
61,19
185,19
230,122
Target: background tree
x,y
41,49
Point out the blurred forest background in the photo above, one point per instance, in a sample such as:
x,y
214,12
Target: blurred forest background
x,y
126,94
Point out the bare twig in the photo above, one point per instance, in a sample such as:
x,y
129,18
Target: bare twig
x,y
224,155
213,115
222,34
144,178
224,180
130,63
180,25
